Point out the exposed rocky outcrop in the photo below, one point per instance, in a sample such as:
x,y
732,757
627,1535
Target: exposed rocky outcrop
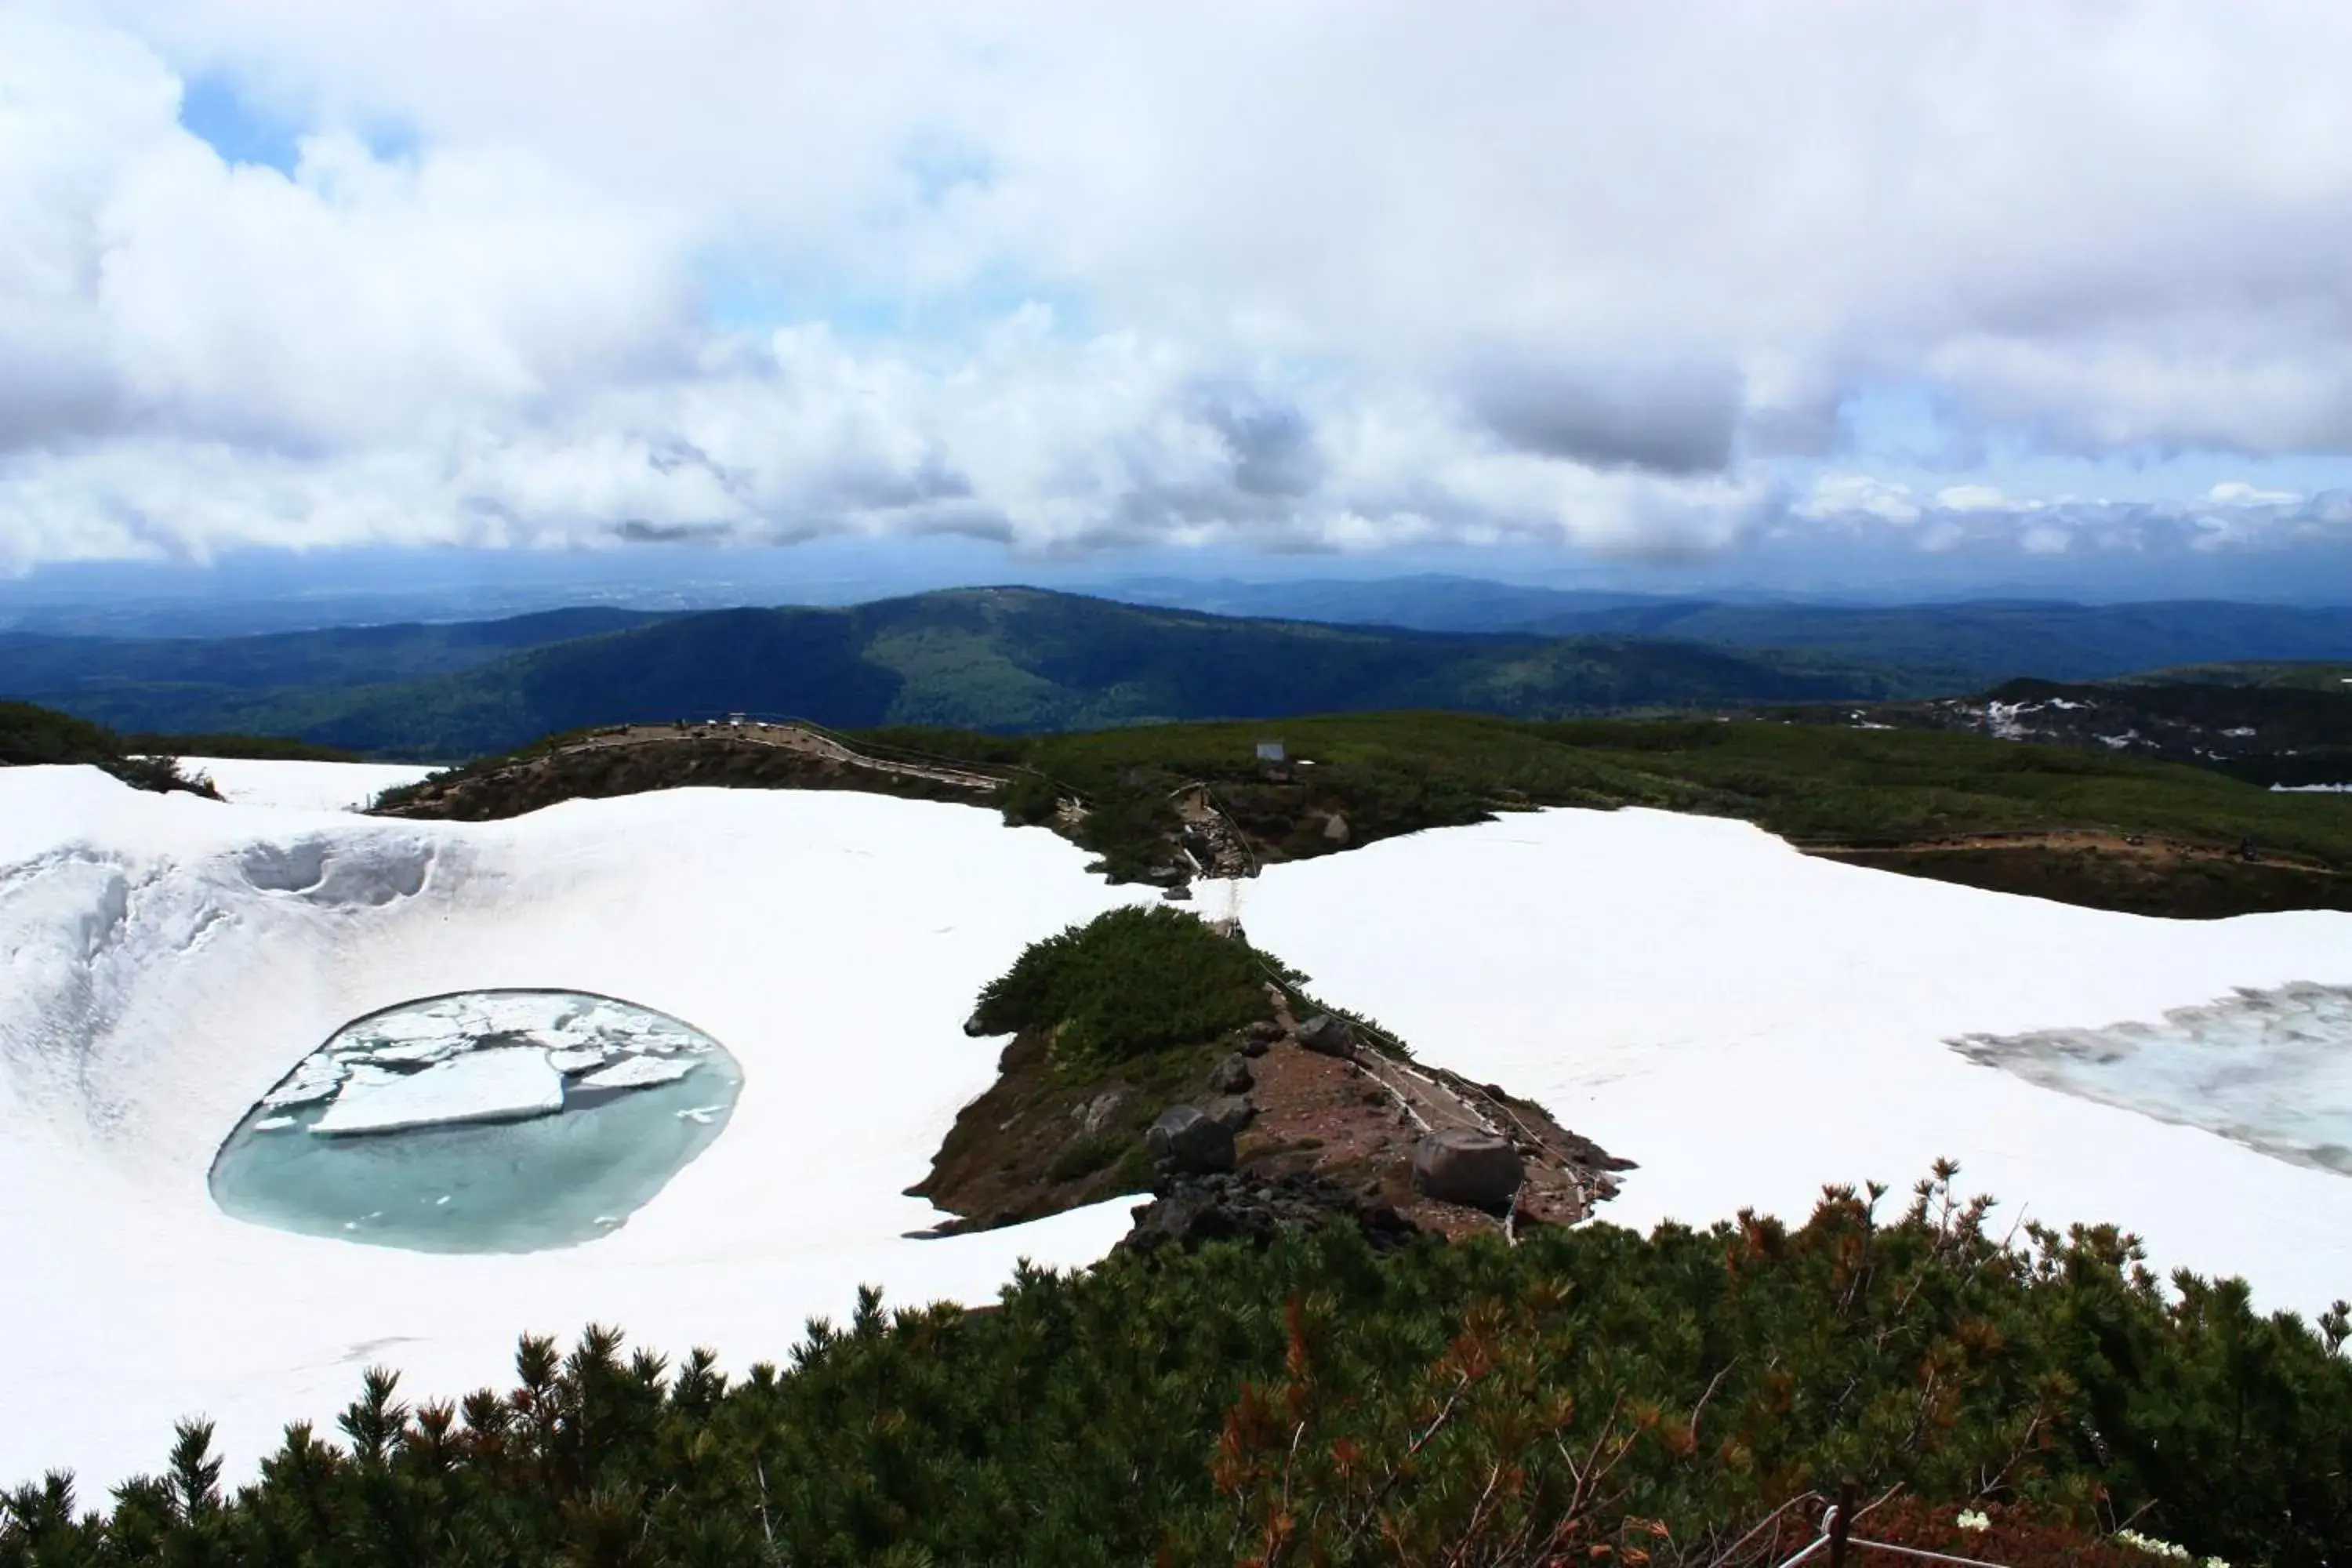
x,y
1186,1211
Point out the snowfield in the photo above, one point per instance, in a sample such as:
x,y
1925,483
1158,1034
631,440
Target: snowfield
x,y
1750,1023
322,786
165,960
1746,1022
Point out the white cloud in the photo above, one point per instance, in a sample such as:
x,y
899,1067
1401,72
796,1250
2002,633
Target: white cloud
x,y
1976,497
1328,276
2237,492
1850,496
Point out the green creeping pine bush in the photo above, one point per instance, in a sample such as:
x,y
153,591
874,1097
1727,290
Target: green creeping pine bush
x,y
1311,1404
1129,983
1026,800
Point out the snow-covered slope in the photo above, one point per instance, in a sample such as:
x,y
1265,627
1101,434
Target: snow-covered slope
x,y
164,960
1745,1022
324,786
1750,1023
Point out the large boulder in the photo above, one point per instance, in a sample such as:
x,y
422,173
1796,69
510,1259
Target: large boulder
x,y
1463,1165
1327,1036
1236,1110
1232,1076
1190,1142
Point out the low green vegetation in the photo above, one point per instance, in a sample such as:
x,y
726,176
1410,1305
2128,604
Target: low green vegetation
x,y
1128,983
1587,1396
1900,798
31,736
1820,784
1112,1022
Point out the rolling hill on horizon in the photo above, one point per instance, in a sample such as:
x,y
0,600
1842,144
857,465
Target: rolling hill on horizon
x,y
993,659
1993,639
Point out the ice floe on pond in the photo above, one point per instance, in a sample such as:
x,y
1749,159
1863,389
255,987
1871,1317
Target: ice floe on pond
x,y
484,1056
451,1125
2270,1070
503,1083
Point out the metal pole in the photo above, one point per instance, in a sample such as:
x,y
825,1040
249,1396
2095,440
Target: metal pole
x,y
1842,1523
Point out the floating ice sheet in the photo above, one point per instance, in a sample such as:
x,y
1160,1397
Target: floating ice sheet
x,y
2270,1070
448,1125
503,1083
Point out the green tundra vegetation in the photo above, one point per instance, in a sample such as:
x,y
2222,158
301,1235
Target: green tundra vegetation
x,y
1590,1395
1129,983
1818,786
1877,796
31,736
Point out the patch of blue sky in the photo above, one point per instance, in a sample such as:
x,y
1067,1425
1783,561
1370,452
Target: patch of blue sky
x,y
245,128
743,297
1904,436
241,131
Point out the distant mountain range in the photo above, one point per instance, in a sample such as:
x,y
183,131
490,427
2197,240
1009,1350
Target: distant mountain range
x,y
1004,659
1991,640
1026,659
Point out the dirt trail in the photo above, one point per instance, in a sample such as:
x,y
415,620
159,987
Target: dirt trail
x,y
787,736
2163,851
1567,1175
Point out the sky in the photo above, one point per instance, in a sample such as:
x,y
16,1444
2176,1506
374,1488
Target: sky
x,y
1910,299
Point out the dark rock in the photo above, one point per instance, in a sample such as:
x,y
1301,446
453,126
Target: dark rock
x,y
1179,894
1235,1111
1233,1075
1327,1036
1266,1031
1254,1047
1464,1166
1190,1142
1188,1210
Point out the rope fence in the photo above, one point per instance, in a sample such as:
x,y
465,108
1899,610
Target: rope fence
x,y
1838,1545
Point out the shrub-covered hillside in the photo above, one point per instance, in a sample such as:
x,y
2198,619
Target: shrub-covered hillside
x,y
1586,1396
31,735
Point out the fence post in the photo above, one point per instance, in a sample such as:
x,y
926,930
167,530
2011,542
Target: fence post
x,y
1842,1523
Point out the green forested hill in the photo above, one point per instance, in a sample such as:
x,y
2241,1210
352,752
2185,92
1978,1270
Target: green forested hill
x,y
1005,660
120,669
1992,639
